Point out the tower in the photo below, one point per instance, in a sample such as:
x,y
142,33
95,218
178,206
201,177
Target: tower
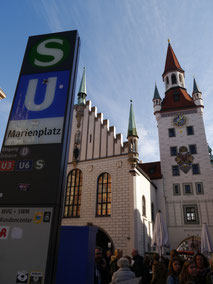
x,y
185,163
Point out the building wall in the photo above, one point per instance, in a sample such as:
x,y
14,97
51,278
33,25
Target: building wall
x,y
102,150
93,136
117,226
178,230
143,223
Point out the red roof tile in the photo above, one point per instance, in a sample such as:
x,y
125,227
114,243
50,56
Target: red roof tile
x,y
169,102
172,63
153,170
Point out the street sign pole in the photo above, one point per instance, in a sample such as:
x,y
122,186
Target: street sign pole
x,y
34,157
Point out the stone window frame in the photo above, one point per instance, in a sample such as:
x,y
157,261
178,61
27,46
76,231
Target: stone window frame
x,y
174,191
190,130
73,194
173,151
184,189
171,132
104,195
190,207
196,169
202,189
174,168
195,147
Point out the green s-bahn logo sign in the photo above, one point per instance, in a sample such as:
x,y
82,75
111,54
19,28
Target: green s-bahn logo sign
x,y
49,52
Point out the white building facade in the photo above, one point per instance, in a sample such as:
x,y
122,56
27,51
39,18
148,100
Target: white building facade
x,y
109,188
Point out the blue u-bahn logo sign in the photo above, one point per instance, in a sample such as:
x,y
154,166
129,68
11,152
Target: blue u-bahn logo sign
x,y
41,96
38,111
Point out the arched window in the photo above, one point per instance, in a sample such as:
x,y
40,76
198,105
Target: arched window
x,y
73,194
167,80
153,212
143,206
181,79
103,207
174,79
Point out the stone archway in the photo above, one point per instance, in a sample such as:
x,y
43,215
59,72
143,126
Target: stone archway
x,y
191,245
104,241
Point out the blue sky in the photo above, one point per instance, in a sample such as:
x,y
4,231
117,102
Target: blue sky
x,y
123,46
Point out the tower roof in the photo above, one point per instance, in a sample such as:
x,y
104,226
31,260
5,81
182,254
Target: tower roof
x,y
172,63
156,93
82,89
195,88
132,131
177,98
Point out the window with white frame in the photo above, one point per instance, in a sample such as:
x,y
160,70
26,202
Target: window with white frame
x,y
190,214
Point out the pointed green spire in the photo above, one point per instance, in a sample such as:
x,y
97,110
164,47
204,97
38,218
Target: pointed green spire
x,y
195,88
132,131
82,90
156,93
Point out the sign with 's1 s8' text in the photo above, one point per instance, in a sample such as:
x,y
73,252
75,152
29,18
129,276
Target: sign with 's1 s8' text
x,y
33,157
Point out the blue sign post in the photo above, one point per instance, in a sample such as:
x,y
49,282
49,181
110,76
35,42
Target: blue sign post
x,y
34,157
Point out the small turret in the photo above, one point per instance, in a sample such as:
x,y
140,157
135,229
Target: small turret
x,y
156,100
197,94
132,139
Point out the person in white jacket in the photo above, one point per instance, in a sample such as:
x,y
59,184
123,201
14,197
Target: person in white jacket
x,y
123,273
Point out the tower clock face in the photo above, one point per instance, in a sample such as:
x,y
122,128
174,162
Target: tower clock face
x,y
179,120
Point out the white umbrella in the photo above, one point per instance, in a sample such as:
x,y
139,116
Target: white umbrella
x,y
206,242
160,235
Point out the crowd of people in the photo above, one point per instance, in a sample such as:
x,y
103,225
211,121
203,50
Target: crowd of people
x,y
115,268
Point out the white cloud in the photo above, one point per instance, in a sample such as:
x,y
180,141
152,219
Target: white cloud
x,y
50,11
148,144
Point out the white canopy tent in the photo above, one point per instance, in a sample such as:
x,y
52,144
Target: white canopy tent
x,y
206,242
160,235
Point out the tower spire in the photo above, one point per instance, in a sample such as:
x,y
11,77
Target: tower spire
x,y
132,131
156,93
173,75
82,93
171,63
197,95
195,87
